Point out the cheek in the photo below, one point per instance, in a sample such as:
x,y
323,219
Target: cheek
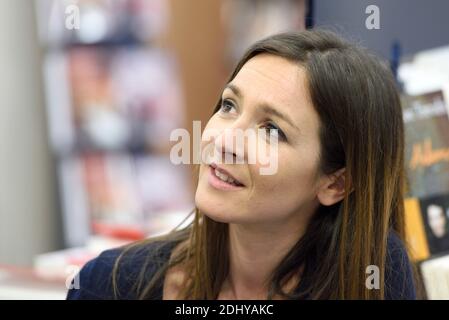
x,y
293,182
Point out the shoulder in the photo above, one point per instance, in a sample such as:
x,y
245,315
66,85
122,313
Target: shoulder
x,y
94,281
399,279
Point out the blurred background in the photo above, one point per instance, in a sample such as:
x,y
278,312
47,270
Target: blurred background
x,y
91,90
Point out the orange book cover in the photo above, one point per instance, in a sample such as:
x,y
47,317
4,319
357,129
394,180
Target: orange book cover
x,y
415,230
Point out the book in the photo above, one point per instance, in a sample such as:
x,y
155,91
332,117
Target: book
x,y
427,144
435,215
123,195
415,230
66,22
435,274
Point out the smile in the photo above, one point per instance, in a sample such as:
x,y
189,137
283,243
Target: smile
x,y
220,179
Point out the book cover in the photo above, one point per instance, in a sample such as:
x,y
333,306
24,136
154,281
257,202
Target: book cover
x,y
435,213
427,144
415,230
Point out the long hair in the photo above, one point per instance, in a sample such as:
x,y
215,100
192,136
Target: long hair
x,y
361,129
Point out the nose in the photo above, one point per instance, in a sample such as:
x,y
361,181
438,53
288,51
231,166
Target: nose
x,y
230,145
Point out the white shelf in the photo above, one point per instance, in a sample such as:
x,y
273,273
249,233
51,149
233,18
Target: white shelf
x,y
15,287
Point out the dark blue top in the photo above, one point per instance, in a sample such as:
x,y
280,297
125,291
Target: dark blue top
x,y
95,277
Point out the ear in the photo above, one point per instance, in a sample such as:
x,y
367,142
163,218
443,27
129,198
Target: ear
x,y
332,188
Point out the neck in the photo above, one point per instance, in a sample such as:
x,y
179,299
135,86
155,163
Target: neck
x,y
254,252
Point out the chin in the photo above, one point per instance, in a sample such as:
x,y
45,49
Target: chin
x,y
220,206
212,209
218,210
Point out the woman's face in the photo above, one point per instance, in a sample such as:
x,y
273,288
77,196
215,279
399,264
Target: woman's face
x,y
268,92
437,220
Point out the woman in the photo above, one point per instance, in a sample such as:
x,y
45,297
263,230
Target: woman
x,y
325,225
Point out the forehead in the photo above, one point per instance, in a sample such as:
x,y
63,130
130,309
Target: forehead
x,y
278,78
280,83
434,210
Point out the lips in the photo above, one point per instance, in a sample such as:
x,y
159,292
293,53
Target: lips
x,y
225,176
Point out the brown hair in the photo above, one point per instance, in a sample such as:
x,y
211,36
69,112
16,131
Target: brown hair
x,y
361,129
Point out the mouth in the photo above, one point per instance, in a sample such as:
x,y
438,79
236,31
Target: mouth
x,y
223,180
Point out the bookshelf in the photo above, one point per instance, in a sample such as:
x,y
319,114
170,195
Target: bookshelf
x,y
113,93
116,87
425,79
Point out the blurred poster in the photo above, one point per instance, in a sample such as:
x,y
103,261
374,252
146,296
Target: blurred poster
x,y
427,144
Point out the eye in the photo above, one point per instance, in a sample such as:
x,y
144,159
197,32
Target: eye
x,y
273,130
227,106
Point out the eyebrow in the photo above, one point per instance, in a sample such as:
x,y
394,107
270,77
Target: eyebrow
x,y
266,108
